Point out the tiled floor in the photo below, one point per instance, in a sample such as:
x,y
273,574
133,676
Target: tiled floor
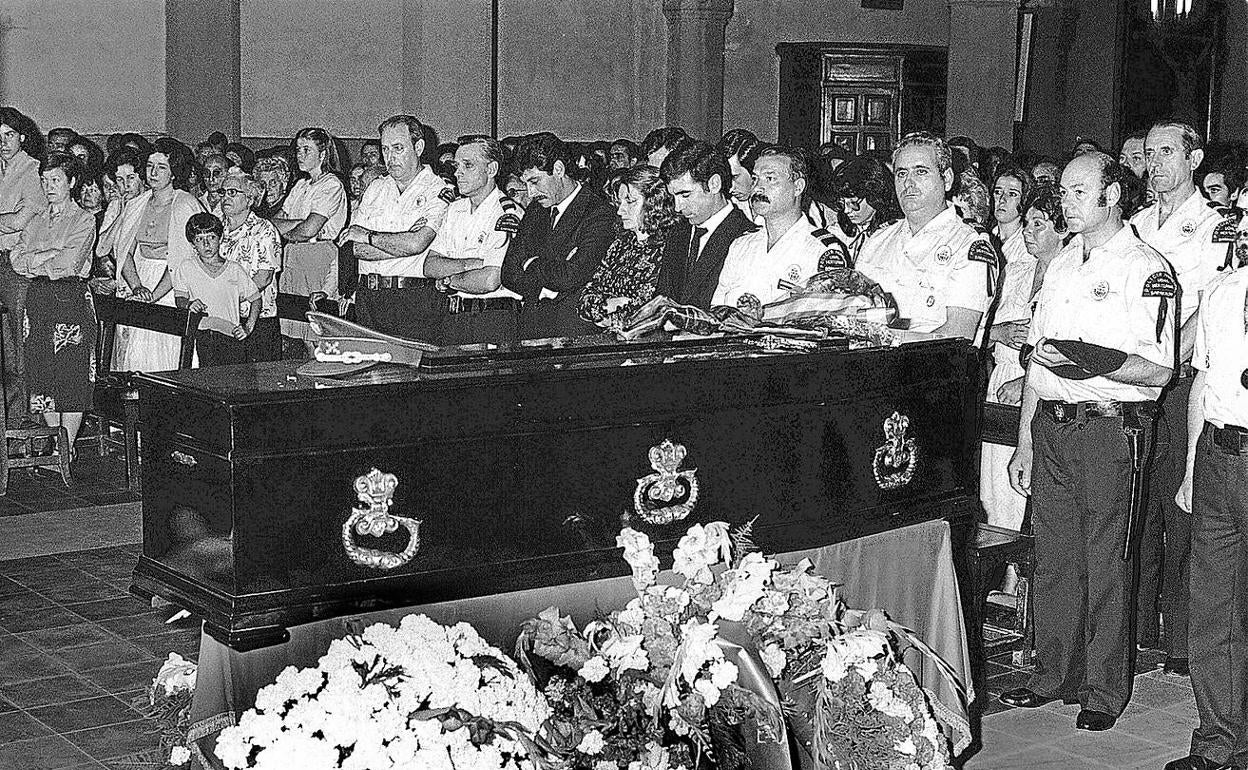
x,y
77,653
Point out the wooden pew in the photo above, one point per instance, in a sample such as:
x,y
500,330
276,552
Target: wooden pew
x,y
116,400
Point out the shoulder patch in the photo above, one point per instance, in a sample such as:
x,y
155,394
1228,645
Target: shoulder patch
x,y
834,258
448,194
508,223
1225,231
982,251
1161,284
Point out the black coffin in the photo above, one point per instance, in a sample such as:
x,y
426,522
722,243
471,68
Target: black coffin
x,y
520,471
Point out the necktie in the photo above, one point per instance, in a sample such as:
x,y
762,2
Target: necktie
x,y
695,245
554,216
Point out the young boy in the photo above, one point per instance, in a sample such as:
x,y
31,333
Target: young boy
x,y
218,288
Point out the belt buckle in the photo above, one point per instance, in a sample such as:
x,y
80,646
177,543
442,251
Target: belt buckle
x,y
455,303
1059,411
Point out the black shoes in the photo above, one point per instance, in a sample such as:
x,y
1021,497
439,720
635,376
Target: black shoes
x,y
1197,762
1177,667
1095,721
1027,698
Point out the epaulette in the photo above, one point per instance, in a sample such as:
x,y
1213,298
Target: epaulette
x,y
509,222
977,227
508,203
835,254
448,194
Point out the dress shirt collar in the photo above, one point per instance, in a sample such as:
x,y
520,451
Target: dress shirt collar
x,y
715,220
559,208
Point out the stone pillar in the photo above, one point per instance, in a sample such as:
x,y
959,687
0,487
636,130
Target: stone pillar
x,y
983,58
695,65
203,87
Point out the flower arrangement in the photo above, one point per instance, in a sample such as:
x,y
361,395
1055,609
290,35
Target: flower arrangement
x,y
420,695
649,687
847,696
168,702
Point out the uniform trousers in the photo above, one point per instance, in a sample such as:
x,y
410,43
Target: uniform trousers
x,y
1165,547
1218,635
1082,588
499,326
414,312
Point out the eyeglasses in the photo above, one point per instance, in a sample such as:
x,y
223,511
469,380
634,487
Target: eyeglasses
x,y
232,191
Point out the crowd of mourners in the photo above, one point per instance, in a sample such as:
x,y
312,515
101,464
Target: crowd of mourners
x,y
1104,288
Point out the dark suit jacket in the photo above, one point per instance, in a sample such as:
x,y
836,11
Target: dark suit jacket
x,y
588,227
695,284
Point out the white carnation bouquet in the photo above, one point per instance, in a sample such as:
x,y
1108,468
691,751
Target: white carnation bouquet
x,y
420,695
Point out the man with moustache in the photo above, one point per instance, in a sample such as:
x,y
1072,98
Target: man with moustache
x,y
1215,490
396,221
1187,233
786,248
561,241
1102,343
694,252
940,269
466,258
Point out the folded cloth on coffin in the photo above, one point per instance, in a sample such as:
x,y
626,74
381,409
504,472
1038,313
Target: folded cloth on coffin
x,y
839,292
343,347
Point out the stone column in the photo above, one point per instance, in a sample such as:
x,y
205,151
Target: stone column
x,y
983,57
203,87
695,65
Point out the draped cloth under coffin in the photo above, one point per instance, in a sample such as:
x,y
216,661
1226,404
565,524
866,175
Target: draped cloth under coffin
x,y
907,572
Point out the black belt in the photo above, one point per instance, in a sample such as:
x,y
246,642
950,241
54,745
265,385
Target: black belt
x,y
1231,438
456,304
375,281
1064,411
46,279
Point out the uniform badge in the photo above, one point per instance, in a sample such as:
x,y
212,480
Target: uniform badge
x,y
931,301
795,272
944,254
1189,227
481,238
1100,291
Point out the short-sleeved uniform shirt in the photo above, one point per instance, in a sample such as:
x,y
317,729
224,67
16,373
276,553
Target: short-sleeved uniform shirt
x,y
326,196
385,209
751,268
223,294
468,234
256,245
1111,299
1222,349
1187,242
20,190
947,263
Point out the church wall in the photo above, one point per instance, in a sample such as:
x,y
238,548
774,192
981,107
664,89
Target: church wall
x,y
752,69
94,64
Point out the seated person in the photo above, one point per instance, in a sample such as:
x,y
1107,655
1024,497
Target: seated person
x,y
218,288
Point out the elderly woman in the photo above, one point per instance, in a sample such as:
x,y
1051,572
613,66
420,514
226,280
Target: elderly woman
x,y
273,173
255,244
1043,230
867,199
54,253
626,279
149,244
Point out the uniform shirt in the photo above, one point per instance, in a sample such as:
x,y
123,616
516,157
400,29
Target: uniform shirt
x,y
384,209
1222,349
947,263
1020,274
20,190
223,293
326,196
752,268
256,245
56,246
468,234
1186,241
1106,301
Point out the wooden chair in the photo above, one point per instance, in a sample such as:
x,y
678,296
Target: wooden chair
x,y
116,400
26,437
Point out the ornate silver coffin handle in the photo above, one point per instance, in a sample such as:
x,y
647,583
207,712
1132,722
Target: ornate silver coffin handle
x,y
668,494
182,458
896,461
373,519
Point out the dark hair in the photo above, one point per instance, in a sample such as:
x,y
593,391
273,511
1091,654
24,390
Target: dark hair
x,y
70,165
139,142
1133,193
540,151
736,140
325,143
218,139
203,222
113,143
630,147
669,137
1192,140
180,160
701,161
246,157
63,131
32,139
658,213
1025,180
415,129
868,178
95,156
125,156
1231,167
1045,199
89,178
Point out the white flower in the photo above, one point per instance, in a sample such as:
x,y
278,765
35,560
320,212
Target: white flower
x,y
700,549
591,744
881,699
907,747
639,553
774,658
699,647
632,615
606,764
627,653
176,674
180,755
833,664
595,669
707,689
746,585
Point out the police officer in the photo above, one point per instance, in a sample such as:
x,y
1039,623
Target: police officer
x,y
1215,490
1103,342
787,248
938,268
466,257
394,225
1185,231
